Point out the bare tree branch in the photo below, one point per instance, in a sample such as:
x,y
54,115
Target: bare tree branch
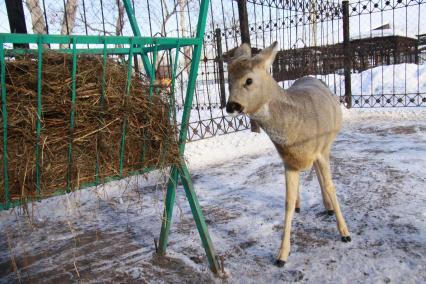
x,y
119,25
168,15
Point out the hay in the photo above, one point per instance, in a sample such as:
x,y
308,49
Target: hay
x,y
98,125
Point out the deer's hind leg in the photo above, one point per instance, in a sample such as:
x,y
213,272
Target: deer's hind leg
x,y
292,184
325,198
298,200
323,165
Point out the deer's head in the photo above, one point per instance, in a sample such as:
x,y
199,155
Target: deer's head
x,y
249,80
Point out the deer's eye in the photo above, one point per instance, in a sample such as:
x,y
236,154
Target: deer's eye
x,y
249,81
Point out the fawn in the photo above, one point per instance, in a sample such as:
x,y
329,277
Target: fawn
x,y
302,122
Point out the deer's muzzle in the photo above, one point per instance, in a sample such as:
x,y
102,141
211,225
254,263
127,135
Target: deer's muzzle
x,y
232,107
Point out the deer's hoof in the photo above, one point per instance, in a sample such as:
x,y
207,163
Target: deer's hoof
x,y
346,239
330,212
297,210
279,263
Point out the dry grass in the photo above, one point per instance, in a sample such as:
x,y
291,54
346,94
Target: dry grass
x,y
98,124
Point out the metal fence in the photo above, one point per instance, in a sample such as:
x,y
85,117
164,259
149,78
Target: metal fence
x,y
371,53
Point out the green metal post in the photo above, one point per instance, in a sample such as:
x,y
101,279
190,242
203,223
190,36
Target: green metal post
x,y
101,104
151,86
193,75
4,118
168,210
128,84
152,78
172,111
72,113
183,171
171,187
198,217
38,125
137,32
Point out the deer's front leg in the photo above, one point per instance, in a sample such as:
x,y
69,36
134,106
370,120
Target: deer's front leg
x,y
292,185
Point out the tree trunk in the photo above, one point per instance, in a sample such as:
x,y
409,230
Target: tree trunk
x,y
186,49
69,19
120,19
37,19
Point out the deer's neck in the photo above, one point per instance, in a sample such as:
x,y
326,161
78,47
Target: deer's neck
x,y
273,95
273,123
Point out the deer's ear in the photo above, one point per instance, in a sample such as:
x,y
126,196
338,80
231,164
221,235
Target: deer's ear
x,y
266,57
243,50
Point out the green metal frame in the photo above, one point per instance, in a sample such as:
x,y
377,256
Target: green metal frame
x,y
138,45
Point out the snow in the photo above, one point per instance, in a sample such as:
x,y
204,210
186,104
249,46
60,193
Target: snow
x,y
107,233
383,33
396,79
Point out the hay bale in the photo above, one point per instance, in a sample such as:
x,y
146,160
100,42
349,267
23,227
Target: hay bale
x,y
98,127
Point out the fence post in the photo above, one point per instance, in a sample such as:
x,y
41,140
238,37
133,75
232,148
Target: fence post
x,y
347,55
221,69
15,13
245,38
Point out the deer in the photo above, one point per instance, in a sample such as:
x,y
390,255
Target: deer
x,y
302,122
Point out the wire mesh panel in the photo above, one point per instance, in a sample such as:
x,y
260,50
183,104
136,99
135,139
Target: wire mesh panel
x,y
102,90
82,116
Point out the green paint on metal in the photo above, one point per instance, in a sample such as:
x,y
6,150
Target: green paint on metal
x,y
99,51
198,217
172,105
168,210
137,32
4,118
101,107
83,39
152,78
72,114
151,86
128,84
172,93
193,75
15,203
183,171
38,124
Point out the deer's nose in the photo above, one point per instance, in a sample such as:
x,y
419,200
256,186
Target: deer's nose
x,y
232,107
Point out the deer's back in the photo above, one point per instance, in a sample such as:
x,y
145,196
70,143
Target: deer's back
x,y
317,107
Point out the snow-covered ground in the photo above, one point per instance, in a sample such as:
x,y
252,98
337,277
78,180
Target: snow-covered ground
x,y
107,234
